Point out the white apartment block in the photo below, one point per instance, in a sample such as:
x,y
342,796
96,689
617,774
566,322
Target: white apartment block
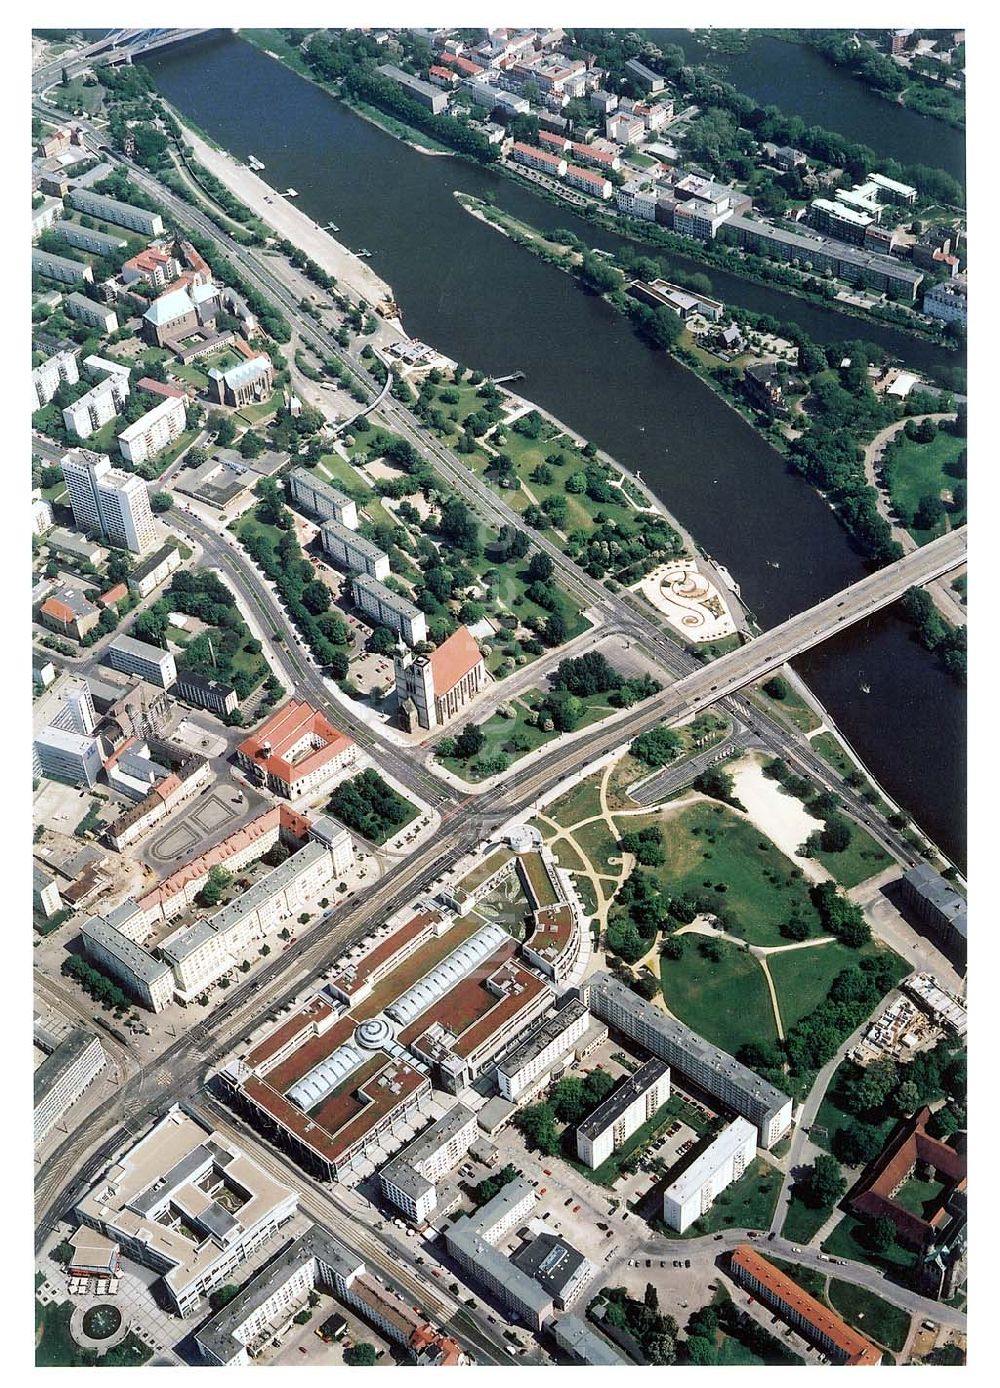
x,y
410,1179
197,955
523,1067
88,311
201,953
711,1069
625,129
67,756
553,164
236,1335
947,302
157,428
50,375
63,1076
352,552
322,500
41,514
122,214
98,242
388,609
100,404
150,663
60,268
723,1162
188,1203
631,1105
104,499
637,198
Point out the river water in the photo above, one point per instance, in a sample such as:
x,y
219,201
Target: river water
x,y
800,81
487,303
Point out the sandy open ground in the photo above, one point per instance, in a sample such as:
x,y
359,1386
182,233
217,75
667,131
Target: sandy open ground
x,y
780,816
287,220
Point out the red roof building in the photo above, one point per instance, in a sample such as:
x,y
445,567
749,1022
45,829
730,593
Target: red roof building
x,y
909,1151
168,392
295,751
815,1321
113,595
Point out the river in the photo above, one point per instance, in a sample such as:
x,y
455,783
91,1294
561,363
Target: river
x,y
800,81
487,303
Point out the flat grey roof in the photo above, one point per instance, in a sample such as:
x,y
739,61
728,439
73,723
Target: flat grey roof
x,y
439,1133
616,1103
316,484
142,650
188,940
220,1334
576,1336
549,1029
67,1053
133,956
351,539
551,1261
386,595
938,891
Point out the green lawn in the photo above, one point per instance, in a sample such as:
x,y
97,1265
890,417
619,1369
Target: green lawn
x,y
75,95
582,802
802,977
598,844
861,859
567,857
253,414
886,1324
336,470
55,1347
708,846
189,372
726,1002
809,1279
793,707
802,1222
586,893
920,469
920,1197
848,1241
747,1204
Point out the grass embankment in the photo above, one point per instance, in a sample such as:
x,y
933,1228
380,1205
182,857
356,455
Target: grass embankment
x,y
886,1324
848,1241
917,470
802,977
712,851
724,1000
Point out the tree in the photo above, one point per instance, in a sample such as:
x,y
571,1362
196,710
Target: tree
x,y
825,1184
222,1296
857,1144
907,1098
777,687
540,568
880,1235
470,742
316,597
930,510
835,836
656,747
161,501
222,426
217,882
361,1356
537,1123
